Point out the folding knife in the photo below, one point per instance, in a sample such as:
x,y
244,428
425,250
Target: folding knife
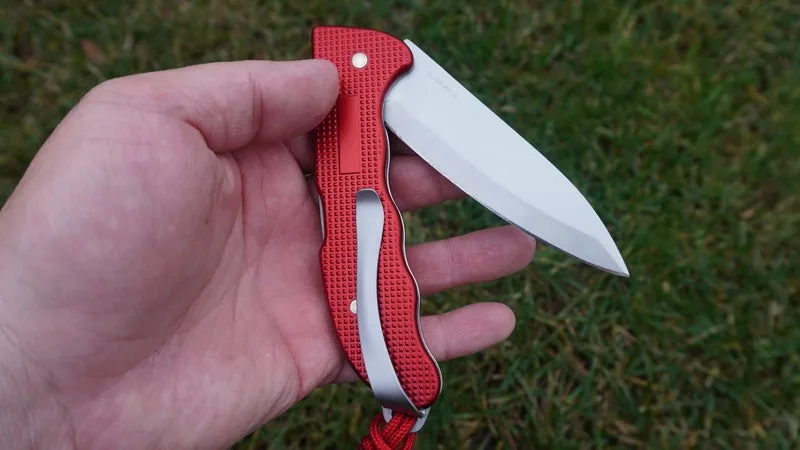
x,y
372,294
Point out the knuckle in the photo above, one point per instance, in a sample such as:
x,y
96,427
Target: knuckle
x,y
108,90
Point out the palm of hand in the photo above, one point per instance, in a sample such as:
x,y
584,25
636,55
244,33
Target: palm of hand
x,y
180,285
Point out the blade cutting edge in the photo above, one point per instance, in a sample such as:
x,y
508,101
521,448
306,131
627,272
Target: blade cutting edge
x,y
470,145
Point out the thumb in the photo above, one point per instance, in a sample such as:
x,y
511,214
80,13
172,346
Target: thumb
x,y
234,103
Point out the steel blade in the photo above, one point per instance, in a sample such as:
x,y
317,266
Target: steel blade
x,y
471,146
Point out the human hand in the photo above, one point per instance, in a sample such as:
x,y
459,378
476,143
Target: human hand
x,y
159,276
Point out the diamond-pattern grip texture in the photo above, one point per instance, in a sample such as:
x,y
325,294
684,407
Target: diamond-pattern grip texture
x,y
387,59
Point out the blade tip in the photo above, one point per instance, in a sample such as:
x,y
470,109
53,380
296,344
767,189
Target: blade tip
x,y
622,268
620,271
617,264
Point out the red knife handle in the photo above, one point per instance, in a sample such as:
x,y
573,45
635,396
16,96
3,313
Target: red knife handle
x,y
352,154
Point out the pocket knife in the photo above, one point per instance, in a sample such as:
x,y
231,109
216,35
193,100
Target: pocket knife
x,y
374,301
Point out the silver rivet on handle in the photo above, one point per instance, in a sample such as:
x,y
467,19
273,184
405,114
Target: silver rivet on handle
x,y
359,60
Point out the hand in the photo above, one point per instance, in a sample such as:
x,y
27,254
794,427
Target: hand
x,y
159,274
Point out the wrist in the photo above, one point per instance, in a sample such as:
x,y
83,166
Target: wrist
x,y
31,416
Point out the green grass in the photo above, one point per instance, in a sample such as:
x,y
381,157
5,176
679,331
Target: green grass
x,y
679,120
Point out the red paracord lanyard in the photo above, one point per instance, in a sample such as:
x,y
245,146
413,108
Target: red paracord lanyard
x,y
395,435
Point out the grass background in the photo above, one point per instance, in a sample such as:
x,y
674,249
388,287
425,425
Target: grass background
x,y
679,120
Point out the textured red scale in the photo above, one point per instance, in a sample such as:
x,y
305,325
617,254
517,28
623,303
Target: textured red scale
x,y
337,183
